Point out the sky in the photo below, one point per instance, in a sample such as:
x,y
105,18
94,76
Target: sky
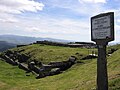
x,y
60,19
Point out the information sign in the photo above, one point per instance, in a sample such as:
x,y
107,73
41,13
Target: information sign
x,y
102,27
102,31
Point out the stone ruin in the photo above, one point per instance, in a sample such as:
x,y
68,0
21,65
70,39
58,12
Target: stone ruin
x,y
36,67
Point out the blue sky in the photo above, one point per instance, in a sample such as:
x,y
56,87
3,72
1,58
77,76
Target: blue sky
x,y
61,19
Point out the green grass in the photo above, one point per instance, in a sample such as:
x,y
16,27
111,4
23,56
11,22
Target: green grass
x,y
117,46
79,77
11,76
46,53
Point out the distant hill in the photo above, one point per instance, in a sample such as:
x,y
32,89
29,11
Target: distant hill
x,y
15,39
10,41
5,45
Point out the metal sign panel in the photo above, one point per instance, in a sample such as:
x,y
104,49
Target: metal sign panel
x,y
102,27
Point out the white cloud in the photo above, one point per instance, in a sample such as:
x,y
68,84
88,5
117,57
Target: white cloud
x,y
9,8
42,26
57,28
8,18
32,29
19,6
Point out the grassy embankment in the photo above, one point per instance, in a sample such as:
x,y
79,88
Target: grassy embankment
x,y
81,76
46,53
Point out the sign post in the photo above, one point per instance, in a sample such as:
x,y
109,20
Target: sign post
x,y
102,32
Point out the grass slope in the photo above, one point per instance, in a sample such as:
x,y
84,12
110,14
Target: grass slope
x,y
78,77
46,53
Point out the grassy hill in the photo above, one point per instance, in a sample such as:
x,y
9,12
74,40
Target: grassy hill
x,y
46,53
81,76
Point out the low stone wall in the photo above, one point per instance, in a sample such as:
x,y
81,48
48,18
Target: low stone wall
x,y
89,57
16,56
64,64
22,66
9,60
43,70
21,45
72,44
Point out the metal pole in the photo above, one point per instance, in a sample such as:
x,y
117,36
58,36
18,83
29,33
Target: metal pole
x,y
102,77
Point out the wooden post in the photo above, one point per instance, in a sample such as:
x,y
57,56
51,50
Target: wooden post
x,y
102,77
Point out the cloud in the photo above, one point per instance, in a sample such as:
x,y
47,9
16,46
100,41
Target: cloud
x,y
56,28
43,26
19,6
9,9
8,18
